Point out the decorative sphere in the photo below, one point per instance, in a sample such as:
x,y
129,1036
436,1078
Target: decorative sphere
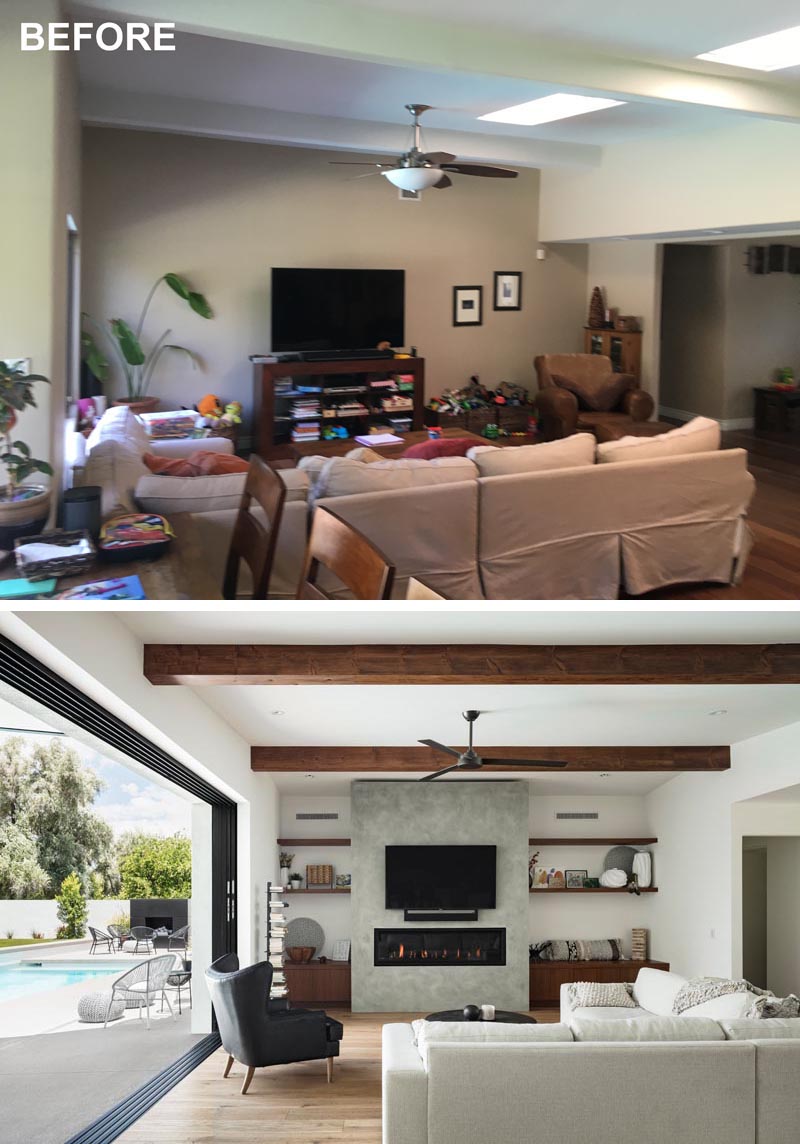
x,y
472,1013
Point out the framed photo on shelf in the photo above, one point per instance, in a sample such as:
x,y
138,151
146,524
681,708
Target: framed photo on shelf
x,y
507,290
467,305
575,878
340,951
342,881
540,878
555,879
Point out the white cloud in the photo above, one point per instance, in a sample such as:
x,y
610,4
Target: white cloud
x,y
129,788
150,810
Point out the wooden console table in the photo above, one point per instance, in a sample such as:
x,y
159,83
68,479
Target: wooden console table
x,y
321,984
777,410
547,977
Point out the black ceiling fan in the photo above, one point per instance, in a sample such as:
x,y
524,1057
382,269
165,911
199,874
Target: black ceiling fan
x,y
470,760
416,170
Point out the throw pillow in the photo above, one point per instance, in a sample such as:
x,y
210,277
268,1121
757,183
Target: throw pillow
x,y
700,435
203,463
766,1007
341,477
169,466
589,994
598,395
445,447
656,990
568,453
608,949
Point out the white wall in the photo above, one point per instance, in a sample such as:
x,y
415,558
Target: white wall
x,y
700,820
24,916
783,915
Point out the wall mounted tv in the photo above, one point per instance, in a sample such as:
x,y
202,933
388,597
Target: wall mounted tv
x,y
337,309
440,877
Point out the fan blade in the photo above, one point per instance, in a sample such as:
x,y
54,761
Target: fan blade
x,y
353,163
444,182
521,763
436,774
479,169
434,746
438,157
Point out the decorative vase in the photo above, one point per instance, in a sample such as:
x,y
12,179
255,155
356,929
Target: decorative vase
x,y
642,868
613,879
472,1013
284,875
26,515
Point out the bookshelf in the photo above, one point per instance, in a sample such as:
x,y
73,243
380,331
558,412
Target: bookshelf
x,y
276,939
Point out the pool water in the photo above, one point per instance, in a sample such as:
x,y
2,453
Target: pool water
x,y
23,979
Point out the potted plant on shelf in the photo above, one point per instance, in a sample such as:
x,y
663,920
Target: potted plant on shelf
x,y
285,862
24,508
295,880
138,364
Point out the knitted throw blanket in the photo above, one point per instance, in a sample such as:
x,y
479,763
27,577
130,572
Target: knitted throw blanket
x,y
700,989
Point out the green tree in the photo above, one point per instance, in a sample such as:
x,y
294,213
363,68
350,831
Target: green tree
x,y
72,910
21,876
155,867
48,792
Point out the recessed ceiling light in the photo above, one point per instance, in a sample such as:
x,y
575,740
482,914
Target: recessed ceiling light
x,y
764,53
719,711
549,108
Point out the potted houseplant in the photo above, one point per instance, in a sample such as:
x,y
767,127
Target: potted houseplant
x,y
137,363
295,880
24,508
285,861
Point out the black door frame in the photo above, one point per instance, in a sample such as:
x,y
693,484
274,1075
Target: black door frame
x,y
27,675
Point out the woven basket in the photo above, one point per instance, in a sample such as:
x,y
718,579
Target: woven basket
x,y
56,565
319,876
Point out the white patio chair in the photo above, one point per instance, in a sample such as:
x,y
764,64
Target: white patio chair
x,y
145,983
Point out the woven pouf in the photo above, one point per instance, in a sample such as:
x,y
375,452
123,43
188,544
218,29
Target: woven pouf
x,y
92,1008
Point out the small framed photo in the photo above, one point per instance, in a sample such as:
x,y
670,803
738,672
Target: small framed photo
x,y
467,305
555,879
340,951
507,290
343,880
575,878
540,877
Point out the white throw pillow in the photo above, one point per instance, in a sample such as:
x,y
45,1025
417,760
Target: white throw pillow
x,y
590,994
656,990
648,1029
729,1005
484,1032
166,495
700,435
341,477
751,1028
569,453
119,424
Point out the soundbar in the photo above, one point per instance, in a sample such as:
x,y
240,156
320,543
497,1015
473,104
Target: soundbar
x,y
344,355
440,915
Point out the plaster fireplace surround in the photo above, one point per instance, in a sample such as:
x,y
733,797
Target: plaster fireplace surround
x,y
485,961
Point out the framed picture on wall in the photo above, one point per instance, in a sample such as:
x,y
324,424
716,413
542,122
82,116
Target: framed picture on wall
x,y
467,305
575,878
507,290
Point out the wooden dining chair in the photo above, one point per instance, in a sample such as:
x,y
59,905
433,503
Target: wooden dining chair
x,y
252,541
419,590
344,551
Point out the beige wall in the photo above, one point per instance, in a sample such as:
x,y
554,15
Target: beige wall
x,y
693,316
40,132
630,277
224,212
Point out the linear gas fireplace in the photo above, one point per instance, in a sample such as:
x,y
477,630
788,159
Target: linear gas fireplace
x,y
440,947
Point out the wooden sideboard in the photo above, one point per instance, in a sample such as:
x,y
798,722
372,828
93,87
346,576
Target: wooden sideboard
x,y
319,984
624,347
547,977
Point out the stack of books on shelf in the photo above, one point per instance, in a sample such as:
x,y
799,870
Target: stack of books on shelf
x,y
276,939
400,424
308,431
388,385
305,407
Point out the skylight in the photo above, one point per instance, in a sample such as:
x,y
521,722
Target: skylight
x,y
764,53
550,108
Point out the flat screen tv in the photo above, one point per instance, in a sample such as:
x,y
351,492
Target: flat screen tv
x,y
337,309
440,877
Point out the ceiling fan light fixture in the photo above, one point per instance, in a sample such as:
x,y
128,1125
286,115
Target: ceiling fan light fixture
x,y
413,178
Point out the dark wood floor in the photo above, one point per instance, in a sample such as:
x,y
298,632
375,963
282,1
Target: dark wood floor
x,y
773,570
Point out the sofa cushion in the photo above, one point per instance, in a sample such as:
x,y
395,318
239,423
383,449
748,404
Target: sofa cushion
x,y
751,1028
647,1028
730,1005
119,424
569,453
168,495
363,453
700,435
341,477
606,1013
443,447
601,392
484,1032
593,994
656,990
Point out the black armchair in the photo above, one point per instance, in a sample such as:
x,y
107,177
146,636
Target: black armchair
x,y
255,1034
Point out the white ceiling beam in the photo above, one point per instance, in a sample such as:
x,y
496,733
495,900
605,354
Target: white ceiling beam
x,y
263,125
341,30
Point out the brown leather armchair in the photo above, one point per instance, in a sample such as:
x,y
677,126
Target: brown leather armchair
x,y
579,392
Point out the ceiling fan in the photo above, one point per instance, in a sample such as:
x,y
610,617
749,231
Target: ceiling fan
x,y
470,760
416,170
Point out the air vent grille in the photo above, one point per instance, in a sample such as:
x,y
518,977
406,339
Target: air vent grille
x,y
316,816
572,815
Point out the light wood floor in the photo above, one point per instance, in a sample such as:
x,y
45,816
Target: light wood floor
x,y
286,1104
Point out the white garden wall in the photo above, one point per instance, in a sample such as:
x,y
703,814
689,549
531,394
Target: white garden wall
x,y
41,915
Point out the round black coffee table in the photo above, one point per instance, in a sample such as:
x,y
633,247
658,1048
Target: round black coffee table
x,y
501,1016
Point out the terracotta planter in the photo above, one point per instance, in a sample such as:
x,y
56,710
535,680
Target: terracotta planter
x,y
23,517
138,404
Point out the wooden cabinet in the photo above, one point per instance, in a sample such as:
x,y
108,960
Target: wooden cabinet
x,y
318,984
622,346
547,977
777,410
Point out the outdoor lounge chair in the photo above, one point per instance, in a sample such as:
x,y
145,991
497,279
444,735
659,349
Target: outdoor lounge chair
x,y
145,983
101,937
180,939
142,939
119,933
256,1034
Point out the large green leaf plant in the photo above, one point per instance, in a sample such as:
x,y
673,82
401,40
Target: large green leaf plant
x,y
16,395
137,364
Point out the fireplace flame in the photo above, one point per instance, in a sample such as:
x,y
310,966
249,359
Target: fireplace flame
x,y
402,950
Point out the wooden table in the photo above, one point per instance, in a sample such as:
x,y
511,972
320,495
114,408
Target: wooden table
x,y
180,574
339,448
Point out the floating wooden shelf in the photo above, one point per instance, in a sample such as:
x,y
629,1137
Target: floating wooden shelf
x,y
591,841
591,890
322,890
313,841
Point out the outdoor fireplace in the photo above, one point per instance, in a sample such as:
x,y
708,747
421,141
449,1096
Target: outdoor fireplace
x,y
440,946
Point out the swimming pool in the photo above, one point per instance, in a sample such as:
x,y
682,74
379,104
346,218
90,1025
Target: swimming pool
x,y
22,979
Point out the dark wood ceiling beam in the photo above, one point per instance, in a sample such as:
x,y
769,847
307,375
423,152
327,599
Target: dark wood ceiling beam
x,y
387,759
260,664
